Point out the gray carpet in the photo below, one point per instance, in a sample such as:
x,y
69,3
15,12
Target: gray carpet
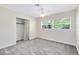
x,y
39,47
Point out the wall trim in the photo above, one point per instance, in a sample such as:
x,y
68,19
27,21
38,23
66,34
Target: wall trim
x,y
5,46
77,49
56,41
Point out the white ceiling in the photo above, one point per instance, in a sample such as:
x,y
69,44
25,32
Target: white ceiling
x,y
32,10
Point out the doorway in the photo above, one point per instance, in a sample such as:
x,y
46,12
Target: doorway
x,y
22,29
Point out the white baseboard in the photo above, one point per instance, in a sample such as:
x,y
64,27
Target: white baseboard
x,y
57,41
77,49
31,38
7,45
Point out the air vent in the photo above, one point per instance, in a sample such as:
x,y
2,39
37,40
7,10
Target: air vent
x,y
37,5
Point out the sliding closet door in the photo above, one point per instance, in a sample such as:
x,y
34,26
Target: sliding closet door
x,y
26,31
19,29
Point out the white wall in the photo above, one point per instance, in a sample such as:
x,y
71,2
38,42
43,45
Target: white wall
x,y
8,27
77,28
63,36
32,28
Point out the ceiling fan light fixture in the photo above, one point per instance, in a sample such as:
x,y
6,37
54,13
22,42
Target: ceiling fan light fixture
x,y
42,15
42,11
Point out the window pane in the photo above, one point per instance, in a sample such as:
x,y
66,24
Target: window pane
x,y
47,24
63,23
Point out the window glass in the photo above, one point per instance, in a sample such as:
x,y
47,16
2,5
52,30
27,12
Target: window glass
x,y
63,23
47,24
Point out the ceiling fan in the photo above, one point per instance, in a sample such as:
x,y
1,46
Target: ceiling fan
x,y
42,13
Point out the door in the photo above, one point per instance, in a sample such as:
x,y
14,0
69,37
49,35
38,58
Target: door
x,y
26,31
19,29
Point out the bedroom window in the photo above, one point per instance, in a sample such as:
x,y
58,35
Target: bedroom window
x,y
63,23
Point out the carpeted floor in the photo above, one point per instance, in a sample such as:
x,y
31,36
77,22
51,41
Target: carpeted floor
x,y
39,47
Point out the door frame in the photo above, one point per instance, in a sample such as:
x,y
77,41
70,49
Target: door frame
x,y
24,26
